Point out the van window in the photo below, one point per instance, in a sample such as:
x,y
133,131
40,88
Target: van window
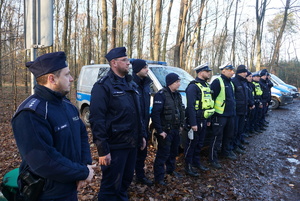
x,y
162,72
89,77
102,72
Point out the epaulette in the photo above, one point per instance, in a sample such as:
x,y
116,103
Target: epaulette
x,y
32,104
100,81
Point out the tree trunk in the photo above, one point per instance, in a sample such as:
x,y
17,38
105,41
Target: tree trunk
x,y
195,37
104,32
275,56
151,31
114,24
164,51
130,37
234,34
178,57
260,14
88,32
157,30
65,31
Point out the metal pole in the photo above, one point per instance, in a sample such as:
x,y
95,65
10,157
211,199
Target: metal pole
x,y
33,39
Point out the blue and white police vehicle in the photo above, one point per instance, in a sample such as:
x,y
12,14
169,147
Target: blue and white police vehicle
x,y
89,74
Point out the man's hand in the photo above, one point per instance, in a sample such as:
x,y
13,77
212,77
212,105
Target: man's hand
x,y
105,160
163,134
195,128
144,144
208,123
91,172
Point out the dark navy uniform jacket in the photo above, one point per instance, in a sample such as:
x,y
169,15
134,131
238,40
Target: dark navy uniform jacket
x,y
241,94
115,114
266,96
145,94
193,93
52,141
229,101
250,89
157,113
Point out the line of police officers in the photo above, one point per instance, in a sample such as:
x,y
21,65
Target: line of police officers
x,y
119,118
232,109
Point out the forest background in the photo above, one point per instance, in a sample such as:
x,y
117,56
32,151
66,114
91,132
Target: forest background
x,y
185,33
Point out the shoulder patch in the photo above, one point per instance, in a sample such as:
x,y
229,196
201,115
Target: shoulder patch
x,y
101,80
32,104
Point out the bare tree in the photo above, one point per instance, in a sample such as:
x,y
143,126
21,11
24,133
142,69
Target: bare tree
x,y
65,32
195,38
114,24
104,32
130,36
179,46
157,30
234,32
275,56
260,10
88,32
164,50
151,31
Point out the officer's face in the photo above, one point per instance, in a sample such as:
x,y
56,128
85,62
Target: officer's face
x,y
175,86
256,78
63,81
143,72
249,78
228,72
121,66
243,74
206,75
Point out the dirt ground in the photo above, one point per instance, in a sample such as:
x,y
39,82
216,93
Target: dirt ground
x,y
270,169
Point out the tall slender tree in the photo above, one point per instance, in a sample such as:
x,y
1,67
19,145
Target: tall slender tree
x,y
157,30
104,32
275,56
260,10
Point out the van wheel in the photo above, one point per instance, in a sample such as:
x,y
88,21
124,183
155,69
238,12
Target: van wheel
x,y
274,103
85,114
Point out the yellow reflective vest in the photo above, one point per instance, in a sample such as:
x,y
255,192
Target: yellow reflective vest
x,y
220,100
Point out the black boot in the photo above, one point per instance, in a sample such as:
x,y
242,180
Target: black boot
x,y
189,170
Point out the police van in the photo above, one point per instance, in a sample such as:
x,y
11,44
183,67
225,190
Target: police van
x,y
280,95
89,74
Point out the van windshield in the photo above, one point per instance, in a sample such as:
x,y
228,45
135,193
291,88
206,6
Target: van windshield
x,y
277,79
162,72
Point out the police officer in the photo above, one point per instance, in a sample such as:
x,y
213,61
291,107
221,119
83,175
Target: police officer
x,y
140,77
266,97
199,109
258,103
222,121
50,136
241,98
116,126
251,106
167,118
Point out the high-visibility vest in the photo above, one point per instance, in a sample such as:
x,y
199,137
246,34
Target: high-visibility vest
x,y
220,100
206,98
258,90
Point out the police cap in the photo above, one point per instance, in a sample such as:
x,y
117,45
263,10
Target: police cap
x,y
47,63
116,53
227,65
202,67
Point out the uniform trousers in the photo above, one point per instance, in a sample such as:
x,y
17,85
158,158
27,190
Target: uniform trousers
x,y
140,162
238,131
257,116
193,147
117,176
166,153
222,131
72,197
